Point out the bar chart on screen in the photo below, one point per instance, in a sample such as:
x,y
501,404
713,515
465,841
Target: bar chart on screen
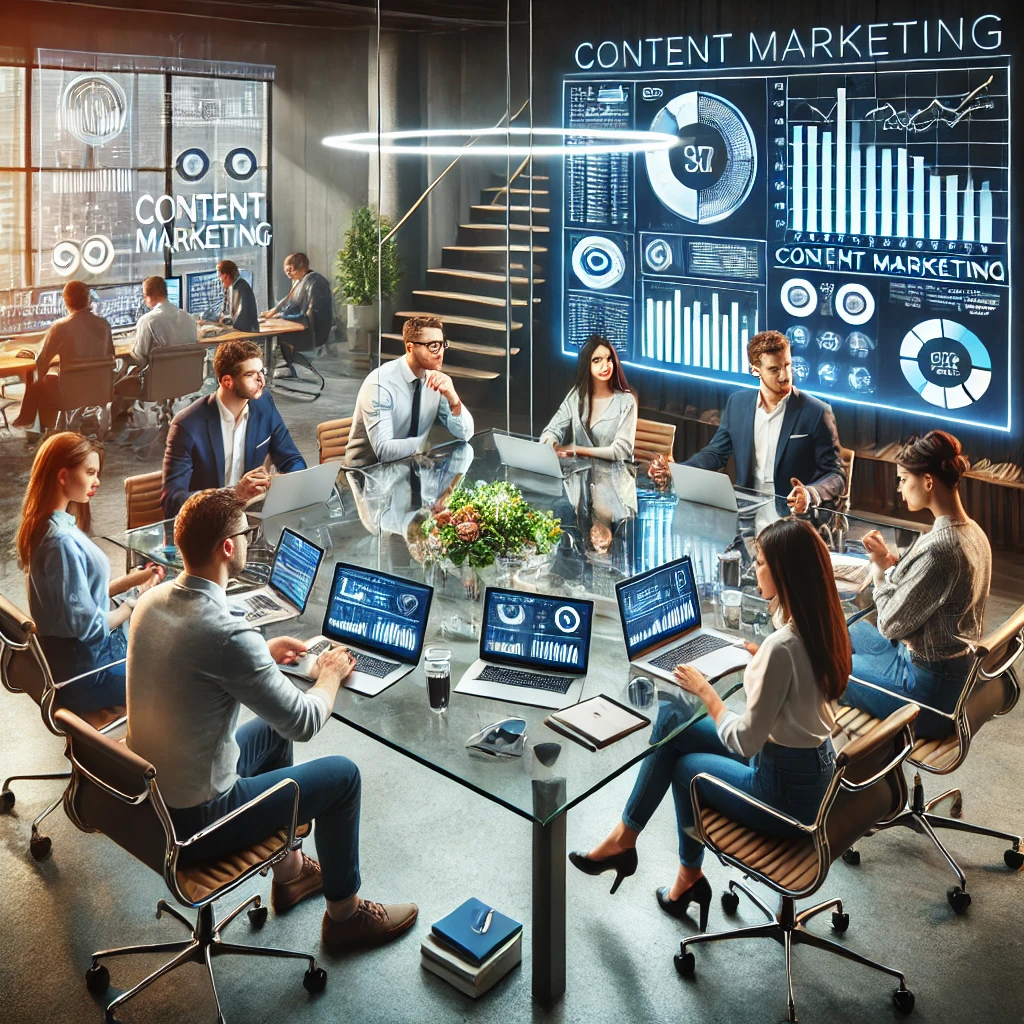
x,y
920,156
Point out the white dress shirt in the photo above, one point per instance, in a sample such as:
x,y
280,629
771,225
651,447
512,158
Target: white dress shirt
x,y
233,435
767,428
383,416
164,324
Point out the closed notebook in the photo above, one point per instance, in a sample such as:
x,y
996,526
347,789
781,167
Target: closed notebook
x,y
456,931
467,978
600,720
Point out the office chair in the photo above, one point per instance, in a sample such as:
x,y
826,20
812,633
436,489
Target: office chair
x,y
332,439
848,457
24,669
868,787
115,791
653,439
142,506
991,690
88,384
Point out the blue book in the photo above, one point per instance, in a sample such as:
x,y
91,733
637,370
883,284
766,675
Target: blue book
x,y
457,930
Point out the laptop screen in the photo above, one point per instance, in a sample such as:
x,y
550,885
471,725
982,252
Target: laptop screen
x,y
382,613
296,563
542,632
658,605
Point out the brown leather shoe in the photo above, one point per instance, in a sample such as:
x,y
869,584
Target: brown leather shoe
x,y
372,924
308,882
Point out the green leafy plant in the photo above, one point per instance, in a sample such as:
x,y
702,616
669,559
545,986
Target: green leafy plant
x,y
485,521
356,265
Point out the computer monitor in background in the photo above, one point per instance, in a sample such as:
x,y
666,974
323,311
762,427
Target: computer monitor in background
x,y
173,290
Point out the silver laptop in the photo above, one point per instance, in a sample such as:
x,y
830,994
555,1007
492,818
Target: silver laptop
x,y
707,487
661,625
292,575
289,491
532,456
533,649
380,618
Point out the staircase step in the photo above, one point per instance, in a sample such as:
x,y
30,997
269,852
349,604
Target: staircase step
x,y
483,275
482,300
469,347
515,191
465,372
482,282
495,214
497,248
465,321
515,208
490,258
541,228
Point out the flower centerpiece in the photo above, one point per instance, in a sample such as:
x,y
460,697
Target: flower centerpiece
x,y
487,522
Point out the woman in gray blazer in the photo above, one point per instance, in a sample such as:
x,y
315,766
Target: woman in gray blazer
x,y
597,418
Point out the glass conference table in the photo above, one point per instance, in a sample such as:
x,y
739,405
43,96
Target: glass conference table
x,y
616,523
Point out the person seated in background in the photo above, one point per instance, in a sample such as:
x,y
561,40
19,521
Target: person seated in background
x,y
597,418
309,301
785,442
69,584
193,662
78,337
931,602
239,310
228,439
399,401
778,750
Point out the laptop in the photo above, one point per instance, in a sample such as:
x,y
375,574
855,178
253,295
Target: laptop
x,y
381,619
290,491
292,574
661,625
532,456
533,649
708,487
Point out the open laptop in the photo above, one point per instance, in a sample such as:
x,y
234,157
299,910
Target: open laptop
x,y
292,575
708,487
380,618
661,624
532,456
290,491
533,649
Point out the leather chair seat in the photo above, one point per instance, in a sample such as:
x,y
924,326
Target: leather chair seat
x,y
102,717
933,753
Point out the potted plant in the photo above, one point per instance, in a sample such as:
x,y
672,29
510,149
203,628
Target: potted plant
x,y
356,274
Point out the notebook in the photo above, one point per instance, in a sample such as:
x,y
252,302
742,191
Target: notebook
x,y
456,930
600,720
471,980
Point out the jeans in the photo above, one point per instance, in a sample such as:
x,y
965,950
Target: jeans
x,y
889,664
329,793
69,658
789,779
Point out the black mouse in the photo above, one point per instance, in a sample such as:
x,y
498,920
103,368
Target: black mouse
x,y
547,753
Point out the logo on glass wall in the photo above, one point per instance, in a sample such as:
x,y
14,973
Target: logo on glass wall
x,y
192,164
94,255
94,109
598,262
241,163
946,363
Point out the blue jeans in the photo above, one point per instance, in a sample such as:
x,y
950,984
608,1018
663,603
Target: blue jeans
x,y
69,658
889,664
329,789
789,779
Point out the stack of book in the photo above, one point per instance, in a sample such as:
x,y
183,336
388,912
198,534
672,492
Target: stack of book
x,y
473,948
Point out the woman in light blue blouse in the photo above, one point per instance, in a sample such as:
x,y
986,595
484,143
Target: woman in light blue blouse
x,y
69,576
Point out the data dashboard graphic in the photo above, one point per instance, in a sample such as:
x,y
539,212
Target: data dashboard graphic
x,y
542,631
659,604
864,211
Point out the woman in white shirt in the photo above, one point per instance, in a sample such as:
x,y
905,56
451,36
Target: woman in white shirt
x,y
777,751
597,418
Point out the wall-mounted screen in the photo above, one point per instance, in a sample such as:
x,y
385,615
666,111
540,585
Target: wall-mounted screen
x,y
173,290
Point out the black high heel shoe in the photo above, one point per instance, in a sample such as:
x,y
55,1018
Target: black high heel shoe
x,y
623,864
699,893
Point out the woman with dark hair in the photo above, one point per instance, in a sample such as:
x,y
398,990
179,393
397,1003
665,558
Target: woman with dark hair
x,y
597,418
777,751
69,585
931,602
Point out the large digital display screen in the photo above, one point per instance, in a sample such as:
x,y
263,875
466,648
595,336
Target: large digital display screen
x,y
860,207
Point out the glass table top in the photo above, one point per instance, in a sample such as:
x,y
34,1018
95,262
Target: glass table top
x,y
615,522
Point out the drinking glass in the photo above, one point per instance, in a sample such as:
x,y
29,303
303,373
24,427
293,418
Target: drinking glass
x,y
731,602
438,669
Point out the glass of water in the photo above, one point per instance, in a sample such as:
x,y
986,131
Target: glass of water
x,y
438,669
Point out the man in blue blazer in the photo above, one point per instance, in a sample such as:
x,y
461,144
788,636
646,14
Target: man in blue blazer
x,y
783,440
224,439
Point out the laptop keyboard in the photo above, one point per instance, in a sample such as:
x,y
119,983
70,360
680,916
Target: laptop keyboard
x,y
365,663
743,502
509,676
260,605
686,653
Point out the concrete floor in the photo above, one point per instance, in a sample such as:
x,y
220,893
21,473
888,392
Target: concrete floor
x,y
427,839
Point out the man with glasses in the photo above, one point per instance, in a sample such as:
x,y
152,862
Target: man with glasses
x,y
229,438
400,400
192,663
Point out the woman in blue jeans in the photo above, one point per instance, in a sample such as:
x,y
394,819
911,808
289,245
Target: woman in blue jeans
x,y
777,751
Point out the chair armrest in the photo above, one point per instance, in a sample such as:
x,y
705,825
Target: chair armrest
x,y
91,672
951,715
245,809
857,616
746,798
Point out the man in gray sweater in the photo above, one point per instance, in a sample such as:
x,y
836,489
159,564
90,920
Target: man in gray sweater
x,y
192,664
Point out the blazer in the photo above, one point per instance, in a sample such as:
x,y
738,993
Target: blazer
x,y
194,456
240,306
808,445
611,434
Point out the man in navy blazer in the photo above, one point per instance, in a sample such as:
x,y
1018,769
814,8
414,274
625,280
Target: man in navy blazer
x,y
223,440
783,440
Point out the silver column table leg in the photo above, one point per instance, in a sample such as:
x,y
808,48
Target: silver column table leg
x,y
549,892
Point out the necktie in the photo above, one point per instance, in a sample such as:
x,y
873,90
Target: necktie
x,y
414,417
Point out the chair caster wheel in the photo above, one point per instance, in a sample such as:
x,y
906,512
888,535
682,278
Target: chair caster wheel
x,y
97,979
315,979
730,901
6,802
257,917
903,1000
958,899
39,847
851,857
840,922
1013,859
685,964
